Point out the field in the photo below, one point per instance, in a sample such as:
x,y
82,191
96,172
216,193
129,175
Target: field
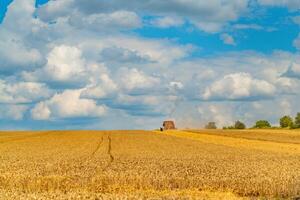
x,y
203,164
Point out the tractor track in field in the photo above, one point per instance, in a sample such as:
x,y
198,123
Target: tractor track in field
x,y
97,147
104,139
111,157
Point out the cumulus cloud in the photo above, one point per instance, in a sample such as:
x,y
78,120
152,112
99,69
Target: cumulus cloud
x,y
134,80
19,18
175,85
64,63
162,52
65,66
247,26
287,85
208,16
227,39
67,105
118,54
105,88
118,20
291,4
141,105
296,20
88,54
293,71
14,112
166,22
54,9
296,42
22,92
221,114
239,86
15,53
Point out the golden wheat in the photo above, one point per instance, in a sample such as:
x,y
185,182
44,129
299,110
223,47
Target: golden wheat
x,y
144,164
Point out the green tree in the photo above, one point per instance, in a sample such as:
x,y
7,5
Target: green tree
x,y
286,121
239,125
297,121
262,124
211,125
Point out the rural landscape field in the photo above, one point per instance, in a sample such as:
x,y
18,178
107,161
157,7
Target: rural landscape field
x,y
203,164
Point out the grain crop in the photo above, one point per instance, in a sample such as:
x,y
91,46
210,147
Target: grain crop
x,y
149,164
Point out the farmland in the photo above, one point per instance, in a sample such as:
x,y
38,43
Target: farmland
x,y
202,164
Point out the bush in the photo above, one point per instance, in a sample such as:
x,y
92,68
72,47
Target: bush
x,y
286,121
262,124
211,125
239,125
297,121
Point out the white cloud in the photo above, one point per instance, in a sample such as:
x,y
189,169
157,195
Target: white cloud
x,y
296,20
293,71
103,89
175,85
67,105
15,53
221,114
126,49
54,9
296,42
163,52
14,112
41,112
118,20
64,63
247,26
122,55
146,100
166,22
65,67
19,18
209,16
286,107
142,105
227,39
22,92
239,86
291,4
134,75
133,79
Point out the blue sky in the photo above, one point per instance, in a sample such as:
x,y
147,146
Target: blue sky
x,y
112,65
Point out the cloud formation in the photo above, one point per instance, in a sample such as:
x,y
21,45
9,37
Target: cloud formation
x,y
291,4
227,39
135,62
209,16
67,105
296,42
239,86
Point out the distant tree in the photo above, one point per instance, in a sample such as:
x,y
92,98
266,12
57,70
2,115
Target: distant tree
x,y
297,121
262,124
211,125
239,125
286,121
228,127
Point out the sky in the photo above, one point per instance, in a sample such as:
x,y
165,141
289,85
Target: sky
x,y
97,64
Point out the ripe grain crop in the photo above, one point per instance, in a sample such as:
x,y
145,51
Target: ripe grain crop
x,y
146,164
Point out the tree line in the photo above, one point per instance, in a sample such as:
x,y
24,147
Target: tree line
x,y
285,122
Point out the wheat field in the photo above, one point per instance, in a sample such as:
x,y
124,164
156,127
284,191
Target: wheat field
x,y
191,164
